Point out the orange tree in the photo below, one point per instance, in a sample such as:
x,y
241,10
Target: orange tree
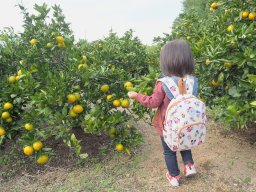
x,y
221,35
50,85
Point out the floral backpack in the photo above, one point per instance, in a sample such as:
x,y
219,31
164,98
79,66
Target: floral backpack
x,y
185,118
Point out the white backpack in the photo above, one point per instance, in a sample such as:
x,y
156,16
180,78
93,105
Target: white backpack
x,y
185,118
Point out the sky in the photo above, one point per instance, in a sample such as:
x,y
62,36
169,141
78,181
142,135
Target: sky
x,y
92,19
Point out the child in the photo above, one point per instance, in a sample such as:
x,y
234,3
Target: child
x,y
176,61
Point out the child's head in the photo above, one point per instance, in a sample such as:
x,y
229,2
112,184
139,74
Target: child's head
x,y
176,59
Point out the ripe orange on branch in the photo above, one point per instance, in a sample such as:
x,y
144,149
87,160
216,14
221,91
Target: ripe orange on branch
x,y
71,98
37,145
228,65
81,66
119,147
28,150
77,95
19,73
12,79
84,58
28,126
230,28
59,39
2,131
245,14
5,115
42,159
125,103
251,16
109,97
61,45
117,103
214,5
9,120
72,113
128,84
215,83
8,105
33,42
104,88
78,109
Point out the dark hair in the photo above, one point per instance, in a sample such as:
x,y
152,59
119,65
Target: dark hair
x,y
176,59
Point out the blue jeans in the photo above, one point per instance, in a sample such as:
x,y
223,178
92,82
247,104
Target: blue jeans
x,y
171,159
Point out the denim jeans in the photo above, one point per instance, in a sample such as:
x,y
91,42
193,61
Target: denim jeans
x,y
171,159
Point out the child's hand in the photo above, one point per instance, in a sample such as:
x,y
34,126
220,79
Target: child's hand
x,y
132,94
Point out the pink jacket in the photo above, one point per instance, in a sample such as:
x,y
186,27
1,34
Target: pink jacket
x,y
157,100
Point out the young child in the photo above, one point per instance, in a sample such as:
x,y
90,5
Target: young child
x,y
176,61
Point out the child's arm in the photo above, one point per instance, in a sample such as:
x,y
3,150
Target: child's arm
x,y
153,101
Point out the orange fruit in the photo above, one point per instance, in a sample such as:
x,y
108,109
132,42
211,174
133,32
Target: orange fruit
x,y
71,98
28,126
28,150
8,105
84,58
59,39
251,16
128,84
112,131
17,78
125,103
245,14
37,145
117,103
2,131
9,120
42,159
104,88
5,115
19,73
77,95
230,28
214,5
215,83
119,147
81,66
78,109
12,79
33,41
228,65
61,45
207,62
72,113
49,45
109,97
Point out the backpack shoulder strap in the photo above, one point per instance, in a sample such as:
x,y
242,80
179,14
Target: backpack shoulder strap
x,y
171,85
189,83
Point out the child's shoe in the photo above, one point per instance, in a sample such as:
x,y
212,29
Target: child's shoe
x,y
189,170
174,181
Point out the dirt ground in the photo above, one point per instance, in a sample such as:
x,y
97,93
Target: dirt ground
x,y
226,163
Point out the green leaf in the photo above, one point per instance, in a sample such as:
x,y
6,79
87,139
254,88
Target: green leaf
x,y
253,103
233,91
252,78
47,149
83,155
13,95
